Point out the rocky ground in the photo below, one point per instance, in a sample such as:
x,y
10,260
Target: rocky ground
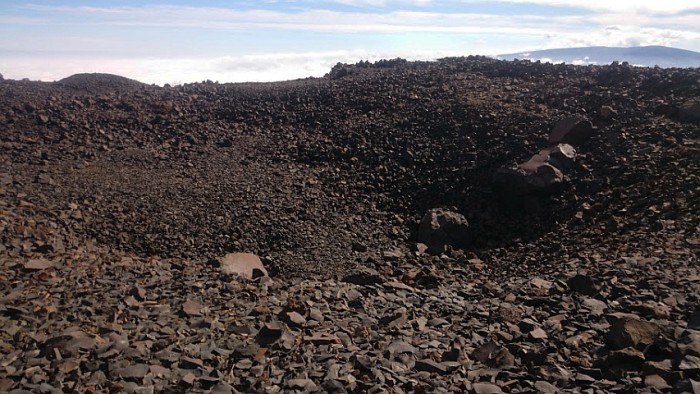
x,y
121,205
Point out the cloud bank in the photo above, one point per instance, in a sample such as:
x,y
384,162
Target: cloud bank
x,y
306,37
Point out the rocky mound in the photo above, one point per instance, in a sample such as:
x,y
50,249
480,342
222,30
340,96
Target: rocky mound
x,y
99,82
398,258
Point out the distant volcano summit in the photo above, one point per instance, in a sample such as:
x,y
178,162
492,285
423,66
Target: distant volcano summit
x,y
640,56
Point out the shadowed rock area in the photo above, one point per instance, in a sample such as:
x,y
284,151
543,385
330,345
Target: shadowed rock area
x,y
465,225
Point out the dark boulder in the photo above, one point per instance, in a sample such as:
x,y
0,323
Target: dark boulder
x,y
690,110
440,228
573,130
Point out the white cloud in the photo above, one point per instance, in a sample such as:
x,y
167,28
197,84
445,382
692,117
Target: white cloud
x,y
620,35
624,23
261,68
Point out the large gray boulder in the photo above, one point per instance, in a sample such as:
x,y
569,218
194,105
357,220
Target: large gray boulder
x,y
440,228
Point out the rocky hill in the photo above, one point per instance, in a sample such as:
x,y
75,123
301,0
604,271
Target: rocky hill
x,y
461,225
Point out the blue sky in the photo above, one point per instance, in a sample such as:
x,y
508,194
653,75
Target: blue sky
x,y
174,41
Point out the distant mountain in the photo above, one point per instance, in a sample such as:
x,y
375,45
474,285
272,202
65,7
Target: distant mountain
x,y
640,56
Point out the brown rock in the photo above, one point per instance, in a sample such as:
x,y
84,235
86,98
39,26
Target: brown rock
x,y
428,365
192,308
134,372
321,338
545,387
486,388
627,332
656,382
627,358
295,318
37,265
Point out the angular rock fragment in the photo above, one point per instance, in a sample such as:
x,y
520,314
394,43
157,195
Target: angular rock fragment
x,y
270,333
37,265
626,359
486,388
192,308
363,277
431,366
628,332
134,372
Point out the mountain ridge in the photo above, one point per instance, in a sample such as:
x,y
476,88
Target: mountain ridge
x,y
650,56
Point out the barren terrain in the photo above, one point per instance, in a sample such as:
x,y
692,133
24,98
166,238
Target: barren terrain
x,y
118,201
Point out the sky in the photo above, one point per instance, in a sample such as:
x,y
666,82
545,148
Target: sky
x,y
180,41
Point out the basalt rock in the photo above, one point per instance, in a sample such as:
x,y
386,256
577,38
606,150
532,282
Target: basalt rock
x,y
440,228
573,130
690,110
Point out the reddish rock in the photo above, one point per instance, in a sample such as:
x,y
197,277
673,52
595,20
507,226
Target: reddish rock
x,y
629,332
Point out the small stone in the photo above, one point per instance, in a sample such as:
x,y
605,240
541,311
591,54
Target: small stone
x,y
189,379
322,339
393,255
597,307
541,283
133,372
301,384
689,363
295,318
656,382
363,277
270,333
486,388
627,358
222,388
359,247
428,365
192,308
538,333
545,387
37,265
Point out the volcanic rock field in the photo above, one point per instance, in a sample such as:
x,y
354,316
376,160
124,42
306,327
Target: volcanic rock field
x,y
464,225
